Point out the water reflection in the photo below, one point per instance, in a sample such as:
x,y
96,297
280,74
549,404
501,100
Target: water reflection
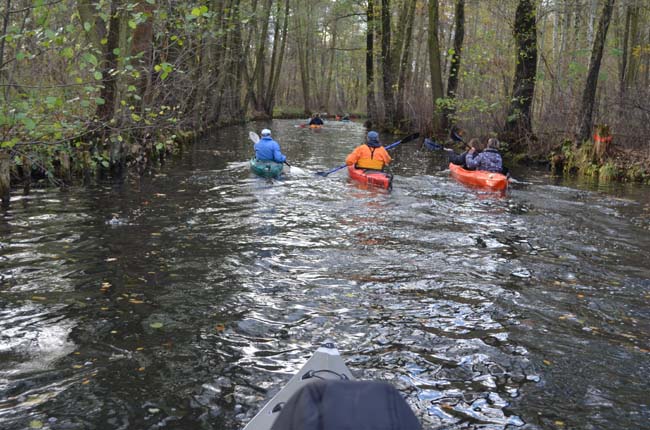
x,y
523,310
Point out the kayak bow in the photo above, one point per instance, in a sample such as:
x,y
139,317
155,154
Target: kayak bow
x,y
326,363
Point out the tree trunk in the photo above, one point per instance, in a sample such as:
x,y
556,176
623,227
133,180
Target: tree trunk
x,y
142,43
405,61
387,66
518,125
589,94
454,68
434,64
276,63
109,80
260,57
370,63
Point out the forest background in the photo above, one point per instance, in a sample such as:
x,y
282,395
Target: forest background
x,y
99,85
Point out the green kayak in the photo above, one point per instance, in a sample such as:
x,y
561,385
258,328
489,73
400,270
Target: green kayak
x,y
326,363
266,169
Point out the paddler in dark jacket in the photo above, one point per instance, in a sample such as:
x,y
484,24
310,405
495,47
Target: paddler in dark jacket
x,y
267,149
316,120
489,160
371,155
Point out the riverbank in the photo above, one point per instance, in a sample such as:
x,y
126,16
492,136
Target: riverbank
x,y
610,164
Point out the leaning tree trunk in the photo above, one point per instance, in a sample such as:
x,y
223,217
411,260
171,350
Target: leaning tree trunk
x,y
109,80
277,59
454,67
371,106
518,125
589,94
387,66
403,53
434,63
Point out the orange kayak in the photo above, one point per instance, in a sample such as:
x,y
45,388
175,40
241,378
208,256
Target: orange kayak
x,y
371,177
316,126
479,178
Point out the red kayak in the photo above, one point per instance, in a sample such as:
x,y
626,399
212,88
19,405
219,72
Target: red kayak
x,y
376,178
479,178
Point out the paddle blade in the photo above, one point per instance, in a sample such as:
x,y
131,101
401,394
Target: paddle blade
x,y
253,137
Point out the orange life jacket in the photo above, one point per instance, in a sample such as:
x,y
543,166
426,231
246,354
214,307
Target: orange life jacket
x,y
366,157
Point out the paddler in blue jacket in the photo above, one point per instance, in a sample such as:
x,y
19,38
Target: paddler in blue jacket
x,y
267,149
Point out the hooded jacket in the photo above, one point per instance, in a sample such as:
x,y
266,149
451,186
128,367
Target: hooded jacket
x,y
267,149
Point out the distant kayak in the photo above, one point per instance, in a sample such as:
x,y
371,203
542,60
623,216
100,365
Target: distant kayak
x,y
266,169
479,178
376,178
326,363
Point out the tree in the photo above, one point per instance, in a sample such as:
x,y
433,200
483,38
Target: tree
x,y
434,63
454,66
518,125
585,117
388,79
370,62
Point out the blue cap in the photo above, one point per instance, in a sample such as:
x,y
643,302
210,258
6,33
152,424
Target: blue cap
x,y
373,139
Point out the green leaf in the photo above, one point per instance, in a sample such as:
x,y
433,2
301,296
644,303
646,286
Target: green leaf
x,y
196,12
132,24
116,51
51,101
36,424
20,56
98,76
91,59
151,1
87,26
28,123
105,163
159,146
67,52
100,101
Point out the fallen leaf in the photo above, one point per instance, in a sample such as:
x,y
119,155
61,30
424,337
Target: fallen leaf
x,y
140,369
139,348
36,424
220,327
156,325
581,296
136,302
548,363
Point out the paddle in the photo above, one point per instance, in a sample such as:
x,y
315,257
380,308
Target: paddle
x,y
391,146
255,138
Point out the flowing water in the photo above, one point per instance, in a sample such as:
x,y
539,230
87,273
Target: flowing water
x,y
187,297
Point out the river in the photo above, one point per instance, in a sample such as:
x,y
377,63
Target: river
x,y
186,297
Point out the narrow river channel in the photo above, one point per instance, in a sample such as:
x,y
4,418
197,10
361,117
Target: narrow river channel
x,y
186,298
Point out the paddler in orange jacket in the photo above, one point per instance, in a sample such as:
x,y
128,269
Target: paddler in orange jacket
x,y
371,156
